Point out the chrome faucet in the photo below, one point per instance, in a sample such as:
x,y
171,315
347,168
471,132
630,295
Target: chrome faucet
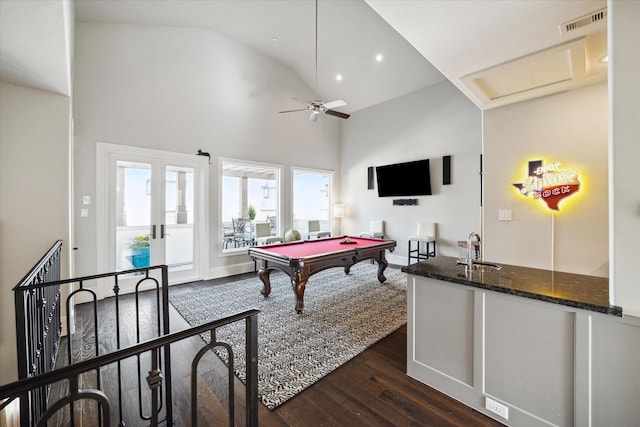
x,y
469,266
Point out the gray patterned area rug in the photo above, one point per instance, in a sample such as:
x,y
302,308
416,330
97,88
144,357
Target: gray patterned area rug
x,y
343,315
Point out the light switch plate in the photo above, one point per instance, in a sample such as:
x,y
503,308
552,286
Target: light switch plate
x,y
504,214
86,200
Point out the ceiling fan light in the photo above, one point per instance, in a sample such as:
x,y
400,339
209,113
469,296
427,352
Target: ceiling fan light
x,y
313,116
335,104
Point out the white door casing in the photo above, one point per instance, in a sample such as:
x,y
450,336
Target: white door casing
x,y
163,234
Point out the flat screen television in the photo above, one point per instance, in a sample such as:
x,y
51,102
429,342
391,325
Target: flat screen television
x,y
404,179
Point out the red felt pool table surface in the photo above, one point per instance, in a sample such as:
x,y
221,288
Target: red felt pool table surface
x,y
301,259
307,248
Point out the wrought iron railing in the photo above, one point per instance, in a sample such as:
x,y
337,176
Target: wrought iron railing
x,y
38,328
38,306
156,346
38,313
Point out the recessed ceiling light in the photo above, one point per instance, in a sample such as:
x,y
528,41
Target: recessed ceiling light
x,y
604,59
275,39
379,57
339,77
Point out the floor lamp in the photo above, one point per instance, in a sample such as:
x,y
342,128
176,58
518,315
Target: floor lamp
x,y
339,211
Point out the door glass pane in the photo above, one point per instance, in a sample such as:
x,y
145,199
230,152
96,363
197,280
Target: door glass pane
x,y
133,214
178,217
311,200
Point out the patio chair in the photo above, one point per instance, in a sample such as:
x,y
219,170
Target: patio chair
x,y
315,232
263,234
242,235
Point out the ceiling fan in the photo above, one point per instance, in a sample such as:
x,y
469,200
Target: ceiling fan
x,y
317,107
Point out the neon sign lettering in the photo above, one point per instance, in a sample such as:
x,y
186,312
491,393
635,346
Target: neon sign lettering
x,y
549,183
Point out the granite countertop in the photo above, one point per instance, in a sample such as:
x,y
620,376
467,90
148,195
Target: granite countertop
x,y
573,290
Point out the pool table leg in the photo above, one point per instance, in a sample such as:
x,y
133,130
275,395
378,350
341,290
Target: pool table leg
x,y
299,282
263,274
382,265
347,267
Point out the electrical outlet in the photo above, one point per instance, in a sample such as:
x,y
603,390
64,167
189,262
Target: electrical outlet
x,y
84,213
497,408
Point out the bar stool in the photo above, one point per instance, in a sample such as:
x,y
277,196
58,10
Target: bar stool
x,y
426,234
376,229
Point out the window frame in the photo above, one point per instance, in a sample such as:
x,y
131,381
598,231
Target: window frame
x,y
330,190
277,170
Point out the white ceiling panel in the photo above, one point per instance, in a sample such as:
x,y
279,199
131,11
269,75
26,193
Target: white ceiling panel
x,y
464,38
490,49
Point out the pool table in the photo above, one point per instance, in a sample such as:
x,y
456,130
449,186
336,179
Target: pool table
x,y
303,258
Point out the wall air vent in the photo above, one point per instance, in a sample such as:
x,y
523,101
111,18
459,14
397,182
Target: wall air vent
x,y
592,18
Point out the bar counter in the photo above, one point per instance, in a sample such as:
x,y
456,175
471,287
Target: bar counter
x,y
573,290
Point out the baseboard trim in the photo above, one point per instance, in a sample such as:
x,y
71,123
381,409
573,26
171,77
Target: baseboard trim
x,y
230,270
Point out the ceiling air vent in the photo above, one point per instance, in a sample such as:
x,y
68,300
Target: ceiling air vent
x,y
591,18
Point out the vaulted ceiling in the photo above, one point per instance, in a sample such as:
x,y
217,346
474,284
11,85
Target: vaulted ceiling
x,y
494,51
35,44
499,52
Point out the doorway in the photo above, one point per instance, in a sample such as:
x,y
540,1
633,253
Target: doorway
x,y
152,211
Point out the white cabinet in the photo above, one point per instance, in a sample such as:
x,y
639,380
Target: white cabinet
x,y
548,364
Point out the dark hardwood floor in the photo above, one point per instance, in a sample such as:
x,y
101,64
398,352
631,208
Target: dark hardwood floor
x,y
372,389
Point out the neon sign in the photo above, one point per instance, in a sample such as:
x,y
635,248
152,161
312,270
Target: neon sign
x,y
549,183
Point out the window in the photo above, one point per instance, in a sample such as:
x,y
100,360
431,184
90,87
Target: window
x,y
250,193
312,192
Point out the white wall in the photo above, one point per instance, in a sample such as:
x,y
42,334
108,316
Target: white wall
x,y
34,189
570,128
624,113
430,123
180,90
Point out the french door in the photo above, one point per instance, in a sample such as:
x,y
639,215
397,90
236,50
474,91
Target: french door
x,y
152,211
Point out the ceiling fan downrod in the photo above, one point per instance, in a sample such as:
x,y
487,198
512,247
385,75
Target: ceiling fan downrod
x,y
317,107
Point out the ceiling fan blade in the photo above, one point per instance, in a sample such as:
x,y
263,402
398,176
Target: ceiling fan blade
x,y
337,114
334,104
291,111
301,101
